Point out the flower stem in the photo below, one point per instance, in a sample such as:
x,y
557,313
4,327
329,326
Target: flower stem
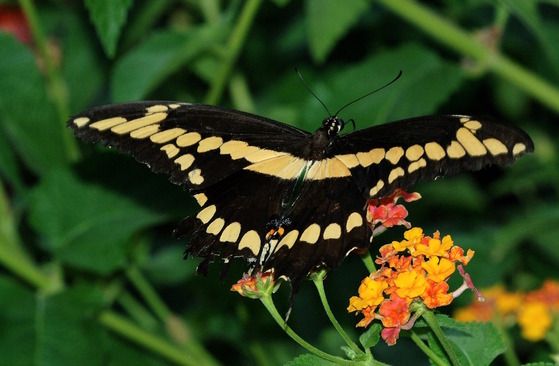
x,y
368,261
429,317
269,305
433,357
238,36
468,45
12,253
133,333
318,282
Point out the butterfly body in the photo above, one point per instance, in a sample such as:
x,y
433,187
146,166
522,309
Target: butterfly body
x,y
281,198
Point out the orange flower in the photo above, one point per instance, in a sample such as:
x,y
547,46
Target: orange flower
x,y
410,284
436,295
395,312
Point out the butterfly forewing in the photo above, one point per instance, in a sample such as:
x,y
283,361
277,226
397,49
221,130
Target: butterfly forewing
x,y
281,198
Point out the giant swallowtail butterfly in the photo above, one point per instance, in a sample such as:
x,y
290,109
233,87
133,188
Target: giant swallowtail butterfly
x,y
281,198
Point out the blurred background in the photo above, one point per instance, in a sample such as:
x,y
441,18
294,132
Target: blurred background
x,y
89,272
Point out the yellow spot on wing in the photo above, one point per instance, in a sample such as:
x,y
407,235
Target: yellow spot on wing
x,y
394,154
473,146
216,226
195,176
421,163
81,121
289,239
262,154
473,125
250,240
455,150
174,105
373,191
105,124
157,108
188,139
134,124
349,160
414,152
353,221
142,133
284,167
311,234
206,214
332,231
185,161
209,143
395,174
434,151
231,233
201,198
519,148
167,135
171,150
495,146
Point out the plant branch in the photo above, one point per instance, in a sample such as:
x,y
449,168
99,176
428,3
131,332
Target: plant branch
x,y
468,45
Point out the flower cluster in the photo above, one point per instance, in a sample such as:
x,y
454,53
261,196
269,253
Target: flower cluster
x,y
413,272
255,286
532,311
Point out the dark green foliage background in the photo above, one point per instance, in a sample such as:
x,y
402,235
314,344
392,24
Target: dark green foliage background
x,y
85,234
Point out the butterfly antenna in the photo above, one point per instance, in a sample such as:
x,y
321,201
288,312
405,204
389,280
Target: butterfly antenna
x,y
313,94
366,95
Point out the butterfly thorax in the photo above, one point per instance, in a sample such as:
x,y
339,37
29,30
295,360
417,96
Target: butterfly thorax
x,y
322,139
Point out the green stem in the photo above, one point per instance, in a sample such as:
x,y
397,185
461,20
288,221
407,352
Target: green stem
x,y
56,84
150,341
466,44
510,356
236,41
12,254
137,311
269,304
429,317
320,288
369,262
433,357
175,327
148,293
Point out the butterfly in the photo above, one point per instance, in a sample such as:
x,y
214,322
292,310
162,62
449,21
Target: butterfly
x,y
281,198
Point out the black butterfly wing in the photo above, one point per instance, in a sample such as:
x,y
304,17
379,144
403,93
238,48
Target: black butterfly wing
x,y
401,153
241,168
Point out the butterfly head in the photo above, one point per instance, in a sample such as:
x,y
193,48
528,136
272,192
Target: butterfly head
x,y
333,125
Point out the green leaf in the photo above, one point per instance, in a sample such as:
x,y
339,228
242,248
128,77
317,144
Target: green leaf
x,y
86,225
26,115
9,169
476,344
108,16
330,20
67,329
168,267
371,337
17,306
146,66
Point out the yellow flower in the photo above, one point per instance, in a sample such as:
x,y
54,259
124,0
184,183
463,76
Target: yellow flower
x,y
438,269
412,236
534,320
410,284
370,294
